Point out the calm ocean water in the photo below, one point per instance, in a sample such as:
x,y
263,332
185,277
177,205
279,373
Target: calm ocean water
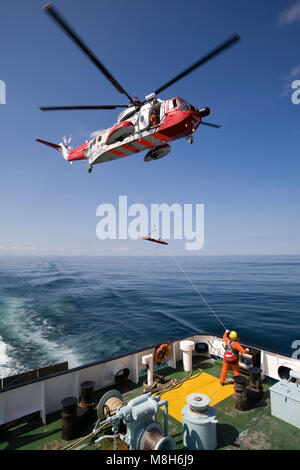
x,y
81,310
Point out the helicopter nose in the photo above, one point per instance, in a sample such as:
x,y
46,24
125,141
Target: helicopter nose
x,y
204,112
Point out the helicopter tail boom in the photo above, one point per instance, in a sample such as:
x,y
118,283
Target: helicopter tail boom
x,y
60,147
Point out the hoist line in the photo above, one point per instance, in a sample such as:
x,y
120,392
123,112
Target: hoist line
x,y
192,284
196,289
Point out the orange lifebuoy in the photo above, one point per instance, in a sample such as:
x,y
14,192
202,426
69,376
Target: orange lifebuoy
x,y
161,353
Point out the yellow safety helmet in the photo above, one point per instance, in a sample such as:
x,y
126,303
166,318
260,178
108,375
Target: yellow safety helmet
x,y
233,335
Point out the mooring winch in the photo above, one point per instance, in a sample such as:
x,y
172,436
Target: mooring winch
x,y
135,422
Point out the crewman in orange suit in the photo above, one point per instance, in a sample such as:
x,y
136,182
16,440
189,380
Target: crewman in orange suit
x,y
231,355
154,119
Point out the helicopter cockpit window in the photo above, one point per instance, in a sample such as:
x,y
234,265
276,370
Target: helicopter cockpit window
x,y
172,104
99,138
184,107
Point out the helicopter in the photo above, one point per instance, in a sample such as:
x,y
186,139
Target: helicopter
x,y
149,125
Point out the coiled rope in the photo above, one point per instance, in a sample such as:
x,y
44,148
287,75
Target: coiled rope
x,y
178,384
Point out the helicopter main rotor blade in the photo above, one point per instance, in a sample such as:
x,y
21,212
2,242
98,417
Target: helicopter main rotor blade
x,y
210,124
54,14
71,108
204,59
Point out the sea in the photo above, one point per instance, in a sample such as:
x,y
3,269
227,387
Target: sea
x,y
87,309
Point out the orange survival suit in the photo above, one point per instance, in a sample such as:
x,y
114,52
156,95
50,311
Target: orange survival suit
x,y
154,119
235,348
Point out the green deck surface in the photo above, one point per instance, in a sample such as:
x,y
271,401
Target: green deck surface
x,y
252,429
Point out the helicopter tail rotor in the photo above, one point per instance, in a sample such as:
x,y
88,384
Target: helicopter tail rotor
x,y
67,142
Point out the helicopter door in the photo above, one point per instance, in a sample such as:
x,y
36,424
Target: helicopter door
x,y
144,118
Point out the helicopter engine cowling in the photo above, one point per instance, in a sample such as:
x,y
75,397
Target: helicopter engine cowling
x,y
127,113
204,112
157,152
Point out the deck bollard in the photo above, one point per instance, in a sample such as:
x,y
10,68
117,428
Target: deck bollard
x,y
187,348
87,394
255,389
148,361
240,393
69,418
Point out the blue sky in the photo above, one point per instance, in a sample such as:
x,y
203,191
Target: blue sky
x,y
246,173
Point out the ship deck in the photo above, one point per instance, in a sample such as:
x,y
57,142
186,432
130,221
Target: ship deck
x,y
252,429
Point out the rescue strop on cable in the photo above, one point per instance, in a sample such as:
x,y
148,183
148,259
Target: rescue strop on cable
x,y
155,240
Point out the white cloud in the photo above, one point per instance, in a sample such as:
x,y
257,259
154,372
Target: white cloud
x,y
290,15
95,133
295,71
19,248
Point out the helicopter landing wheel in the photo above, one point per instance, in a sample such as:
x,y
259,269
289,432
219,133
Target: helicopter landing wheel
x,y
90,169
190,139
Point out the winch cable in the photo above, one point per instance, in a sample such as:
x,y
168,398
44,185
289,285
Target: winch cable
x,y
196,289
191,282
74,444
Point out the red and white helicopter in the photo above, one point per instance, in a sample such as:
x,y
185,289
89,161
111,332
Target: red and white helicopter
x,y
143,125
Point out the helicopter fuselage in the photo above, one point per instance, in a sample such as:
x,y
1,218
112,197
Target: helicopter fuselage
x,y
157,122
143,125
